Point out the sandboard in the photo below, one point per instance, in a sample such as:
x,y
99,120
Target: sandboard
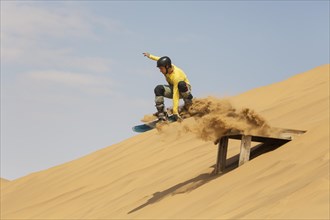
x,y
151,125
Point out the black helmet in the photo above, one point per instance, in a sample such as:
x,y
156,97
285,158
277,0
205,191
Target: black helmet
x,y
165,62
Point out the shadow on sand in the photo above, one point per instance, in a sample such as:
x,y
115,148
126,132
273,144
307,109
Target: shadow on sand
x,y
202,179
183,187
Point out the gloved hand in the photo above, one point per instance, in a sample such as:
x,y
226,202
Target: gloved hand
x,y
146,54
177,117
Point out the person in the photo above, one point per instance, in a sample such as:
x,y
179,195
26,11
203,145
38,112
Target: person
x,y
178,87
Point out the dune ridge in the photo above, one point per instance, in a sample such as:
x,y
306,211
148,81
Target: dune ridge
x,y
167,174
3,182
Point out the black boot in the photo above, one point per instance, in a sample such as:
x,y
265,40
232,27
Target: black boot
x,y
187,104
161,113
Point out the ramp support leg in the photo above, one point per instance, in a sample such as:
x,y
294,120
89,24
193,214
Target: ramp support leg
x,y
222,155
244,155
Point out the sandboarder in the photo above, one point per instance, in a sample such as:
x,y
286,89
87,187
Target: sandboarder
x,y
178,87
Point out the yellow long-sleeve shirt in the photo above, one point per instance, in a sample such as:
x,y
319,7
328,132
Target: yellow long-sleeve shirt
x,y
173,79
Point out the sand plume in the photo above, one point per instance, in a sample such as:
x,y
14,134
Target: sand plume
x,y
213,117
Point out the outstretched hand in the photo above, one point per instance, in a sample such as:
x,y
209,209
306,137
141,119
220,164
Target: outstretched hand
x,y
146,54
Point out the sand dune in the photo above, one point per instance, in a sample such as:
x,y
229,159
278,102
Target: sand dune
x,y
167,173
3,182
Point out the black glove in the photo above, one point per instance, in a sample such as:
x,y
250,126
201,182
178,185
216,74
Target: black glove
x,y
177,117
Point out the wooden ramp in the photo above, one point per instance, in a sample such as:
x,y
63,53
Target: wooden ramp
x,y
283,136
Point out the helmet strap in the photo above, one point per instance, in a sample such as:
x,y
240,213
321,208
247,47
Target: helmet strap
x,y
167,68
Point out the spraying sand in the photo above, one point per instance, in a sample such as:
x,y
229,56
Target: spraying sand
x,y
210,118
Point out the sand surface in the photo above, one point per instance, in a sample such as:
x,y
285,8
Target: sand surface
x,y
3,182
166,173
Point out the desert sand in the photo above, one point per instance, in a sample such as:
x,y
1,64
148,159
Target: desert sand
x,y
166,173
3,182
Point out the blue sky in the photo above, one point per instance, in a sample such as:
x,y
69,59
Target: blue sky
x,y
74,80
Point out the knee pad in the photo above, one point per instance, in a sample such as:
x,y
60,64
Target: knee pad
x,y
182,86
159,90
